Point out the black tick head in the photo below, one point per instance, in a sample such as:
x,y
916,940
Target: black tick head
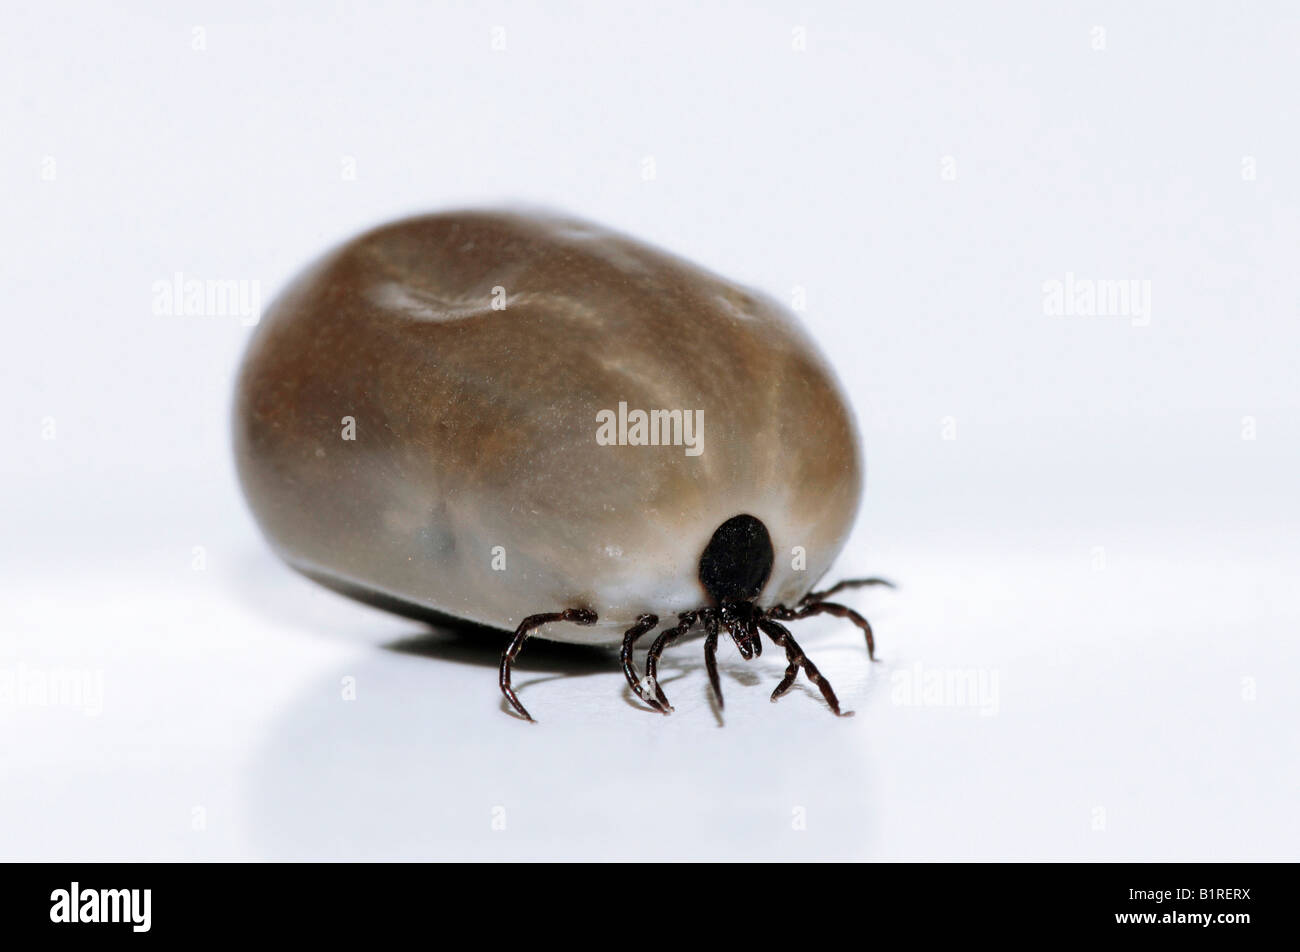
x,y
735,566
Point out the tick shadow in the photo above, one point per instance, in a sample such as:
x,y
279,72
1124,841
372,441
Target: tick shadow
x,y
288,599
462,642
480,646
455,641
280,596
466,643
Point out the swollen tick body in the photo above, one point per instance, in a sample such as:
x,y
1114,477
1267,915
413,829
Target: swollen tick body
x,y
433,418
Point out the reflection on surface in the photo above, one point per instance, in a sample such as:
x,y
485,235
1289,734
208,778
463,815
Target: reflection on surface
x,y
425,764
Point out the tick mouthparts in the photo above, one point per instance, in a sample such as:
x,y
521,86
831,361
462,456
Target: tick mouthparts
x,y
746,640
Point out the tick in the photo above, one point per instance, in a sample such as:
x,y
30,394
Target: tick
x,y
539,425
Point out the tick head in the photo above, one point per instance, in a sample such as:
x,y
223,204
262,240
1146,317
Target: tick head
x,y
735,566
737,561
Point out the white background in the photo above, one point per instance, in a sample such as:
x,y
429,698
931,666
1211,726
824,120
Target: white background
x,y
1099,542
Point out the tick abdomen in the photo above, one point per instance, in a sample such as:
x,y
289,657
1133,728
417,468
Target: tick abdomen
x,y
417,420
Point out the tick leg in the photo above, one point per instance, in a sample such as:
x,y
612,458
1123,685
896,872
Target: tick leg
x,y
839,611
711,655
791,672
666,638
579,616
841,586
791,669
781,613
781,635
643,624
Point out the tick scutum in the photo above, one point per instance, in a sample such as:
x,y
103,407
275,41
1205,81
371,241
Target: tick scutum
x,y
737,561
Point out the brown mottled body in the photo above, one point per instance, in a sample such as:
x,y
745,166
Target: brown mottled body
x,y
476,427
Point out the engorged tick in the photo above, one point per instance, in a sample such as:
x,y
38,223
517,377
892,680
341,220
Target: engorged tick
x,y
433,418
